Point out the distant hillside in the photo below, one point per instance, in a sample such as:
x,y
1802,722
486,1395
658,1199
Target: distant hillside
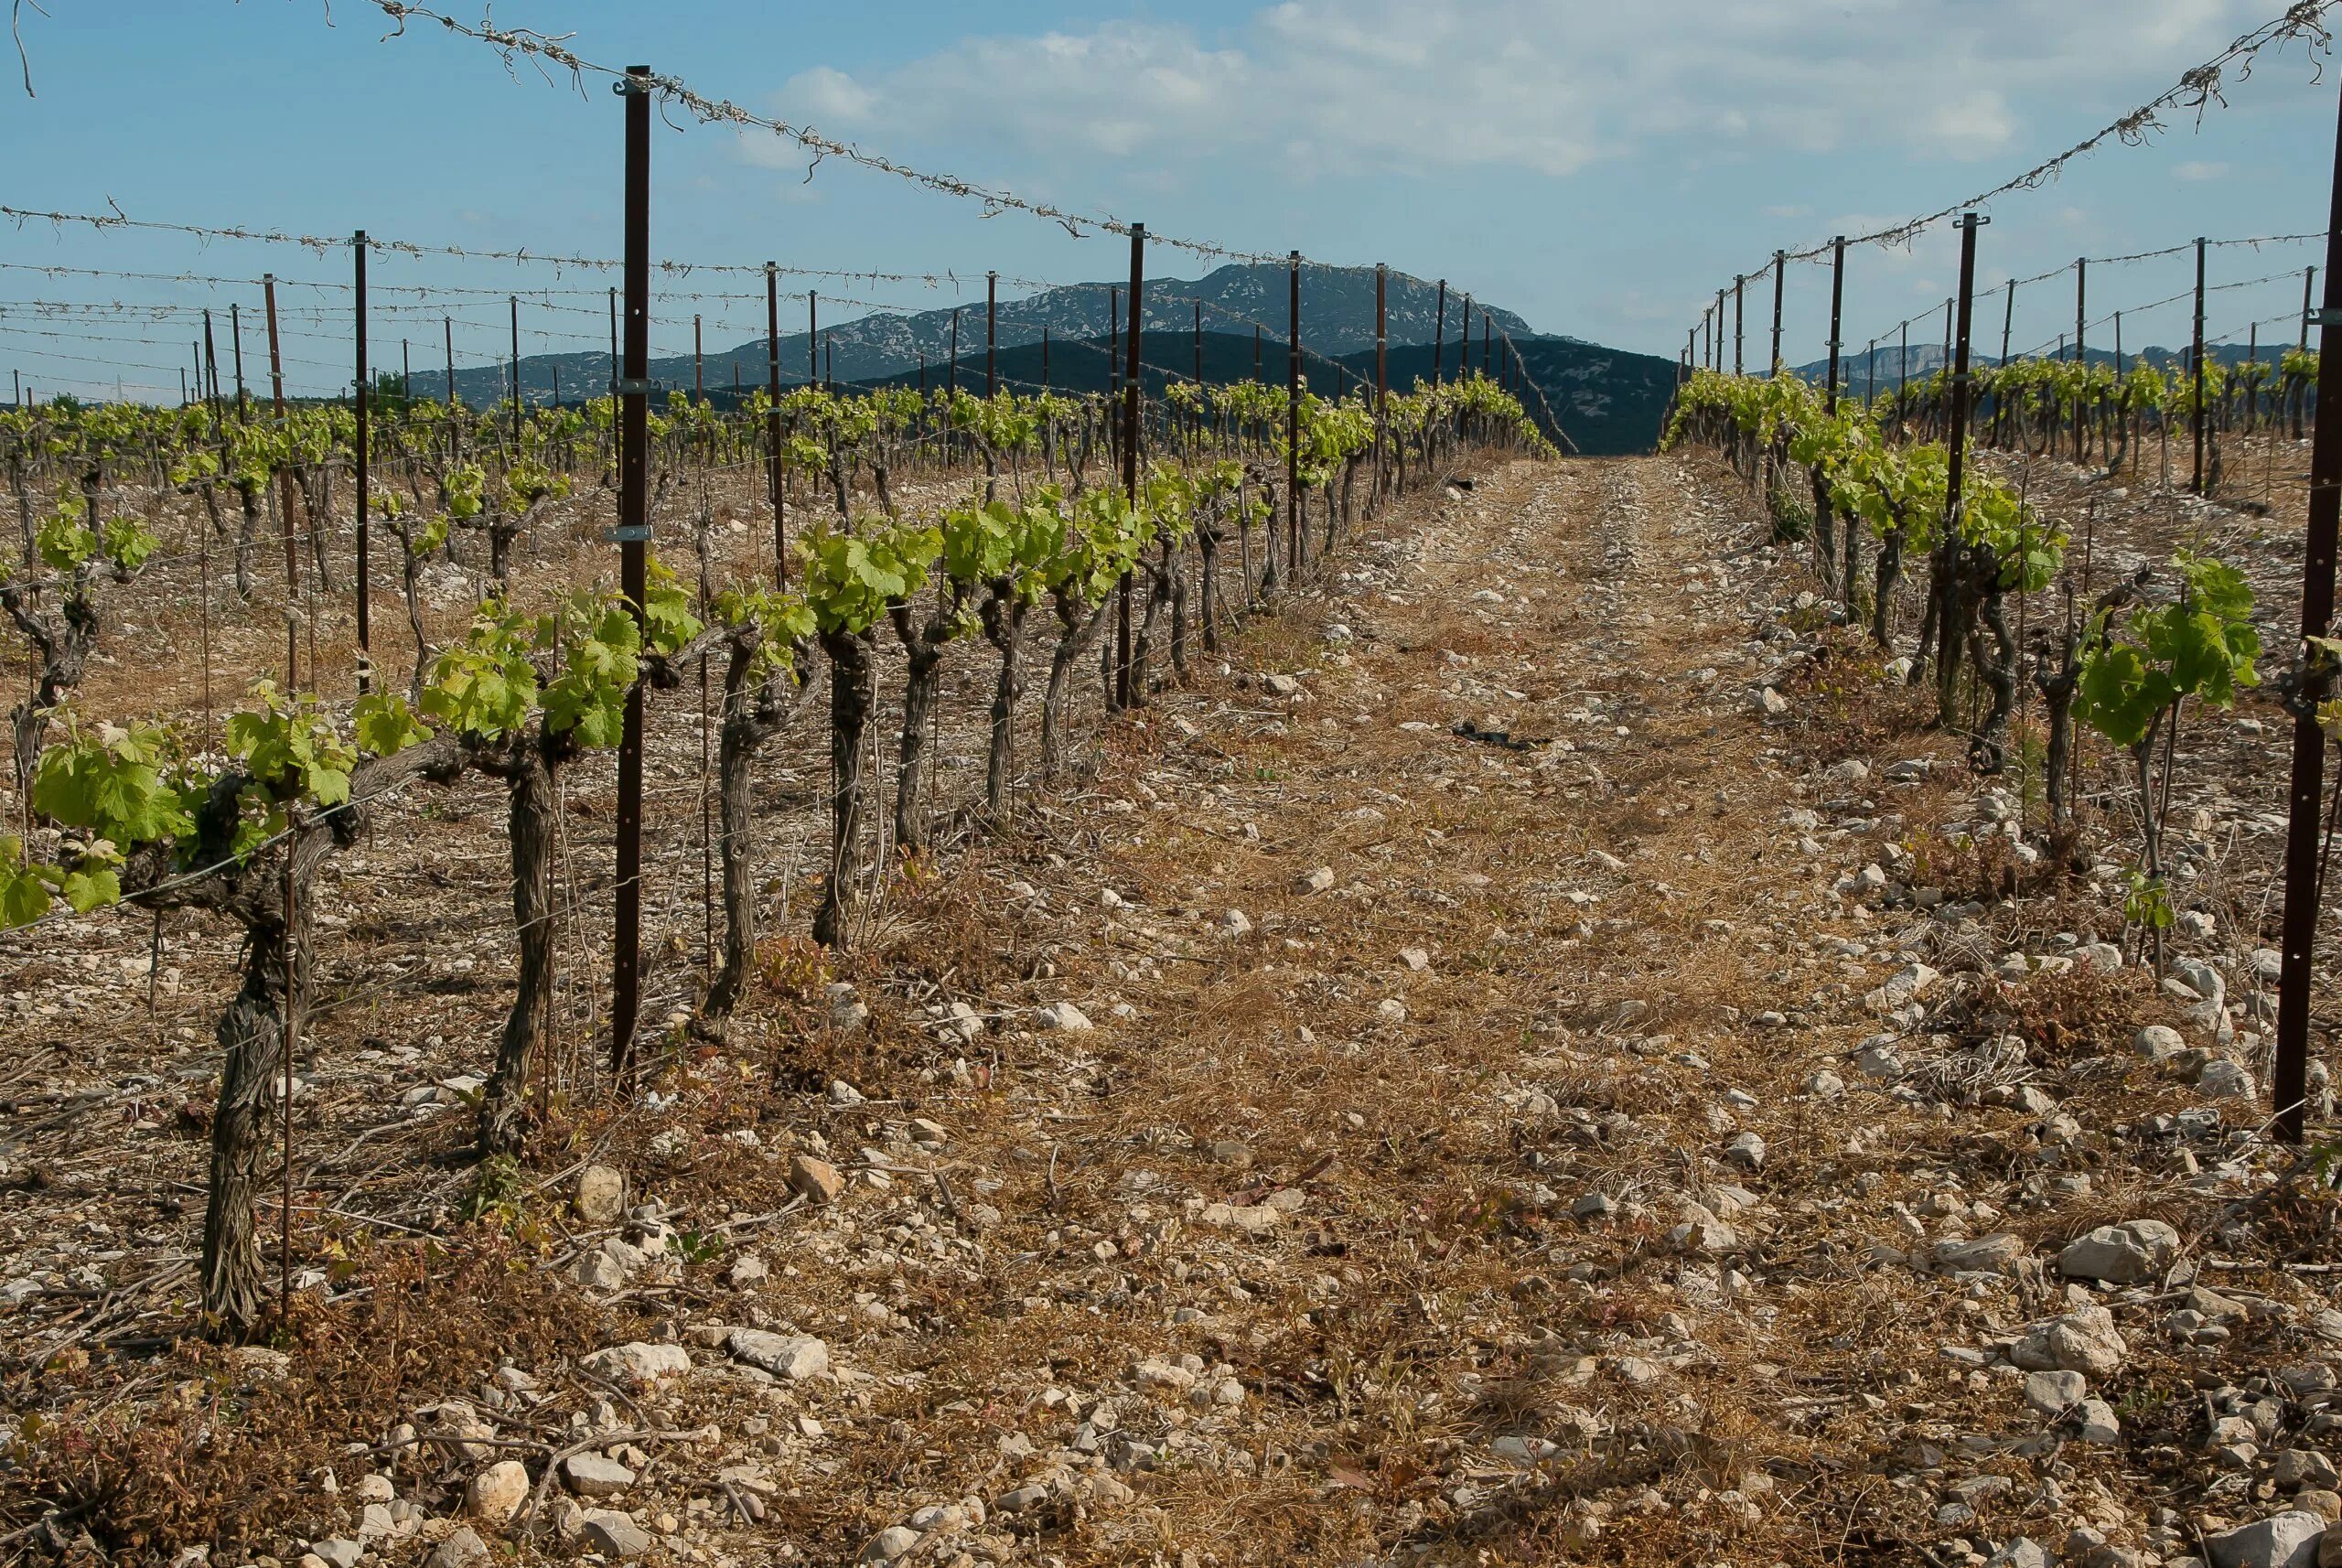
x,y
1924,359
1336,319
1609,403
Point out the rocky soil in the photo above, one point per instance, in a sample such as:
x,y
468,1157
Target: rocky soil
x,y
1537,1055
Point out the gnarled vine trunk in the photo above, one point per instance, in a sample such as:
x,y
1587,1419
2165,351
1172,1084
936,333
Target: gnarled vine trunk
x,y
315,485
60,646
1996,668
1207,606
251,1077
247,498
1158,595
1889,572
924,645
1178,564
2056,686
1003,616
530,765
1074,633
1825,530
751,717
252,890
854,683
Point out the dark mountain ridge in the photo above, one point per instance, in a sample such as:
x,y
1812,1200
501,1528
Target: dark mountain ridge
x,y
1609,400
1927,358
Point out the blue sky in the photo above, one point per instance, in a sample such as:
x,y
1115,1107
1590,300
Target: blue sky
x,y
1600,167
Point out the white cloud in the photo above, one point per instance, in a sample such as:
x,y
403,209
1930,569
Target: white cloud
x,y
1548,87
2196,170
1971,126
828,94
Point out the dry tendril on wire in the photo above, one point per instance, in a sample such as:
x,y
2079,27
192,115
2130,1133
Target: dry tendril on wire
x,y
2198,90
515,44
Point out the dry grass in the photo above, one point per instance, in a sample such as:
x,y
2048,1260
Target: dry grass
x,y
1574,1030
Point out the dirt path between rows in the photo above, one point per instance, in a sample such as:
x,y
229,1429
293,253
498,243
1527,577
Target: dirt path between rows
x,y
1471,1082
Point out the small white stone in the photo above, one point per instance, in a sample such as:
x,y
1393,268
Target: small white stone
x,y
2224,1079
792,1356
640,1363
496,1493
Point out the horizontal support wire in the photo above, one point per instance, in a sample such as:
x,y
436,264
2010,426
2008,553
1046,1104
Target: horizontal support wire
x,y
2198,90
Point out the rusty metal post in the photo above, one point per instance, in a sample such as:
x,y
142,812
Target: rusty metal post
x,y
772,423
2081,347
2196,354
212,374
2290,1087
1199,374
1837,312
812,340
1780,266
633,539
284,501
1739,319
1293,423
236,342
515,300
1947,638
2309,277
203,535
1381,378
2081,311
699,368
2008,319
992,313
1131,388
359,477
